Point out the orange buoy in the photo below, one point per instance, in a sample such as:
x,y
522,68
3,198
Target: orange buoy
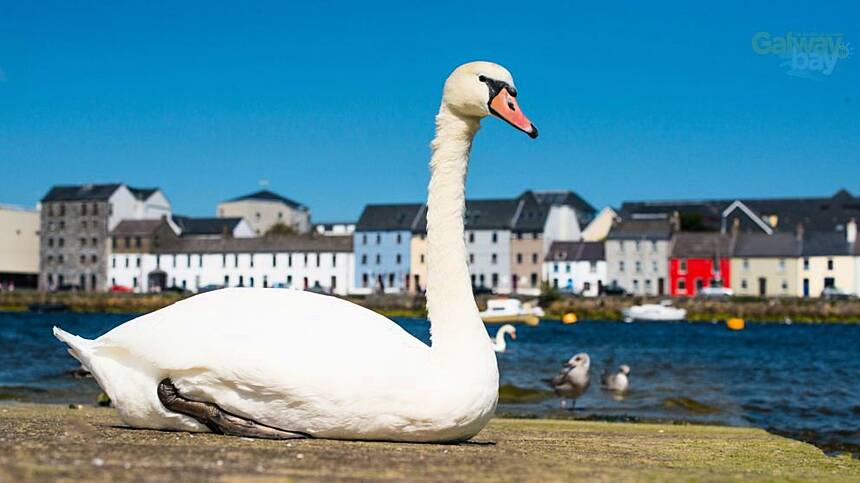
x,y
735,323
569,318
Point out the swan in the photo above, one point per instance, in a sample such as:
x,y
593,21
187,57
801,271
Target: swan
x,y
283,364
573,379
499,344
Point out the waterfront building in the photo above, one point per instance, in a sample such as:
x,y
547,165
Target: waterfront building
x,y
765,265
697,260
264,209
75,222
19,247
576,267
383,247
828,260
161,259
637,253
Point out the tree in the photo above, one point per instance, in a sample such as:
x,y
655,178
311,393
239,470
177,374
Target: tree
x,y
280,229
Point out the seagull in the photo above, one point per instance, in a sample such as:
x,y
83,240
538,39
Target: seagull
x,y
617,382
572,381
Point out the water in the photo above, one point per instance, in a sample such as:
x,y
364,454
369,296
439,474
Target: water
x,y
796,380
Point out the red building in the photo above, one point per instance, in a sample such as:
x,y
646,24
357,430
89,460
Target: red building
x,y
698,260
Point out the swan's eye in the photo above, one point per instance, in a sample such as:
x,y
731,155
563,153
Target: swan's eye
x,y
482,78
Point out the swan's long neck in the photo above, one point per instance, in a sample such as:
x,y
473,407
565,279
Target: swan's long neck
x,y
500,343
455,323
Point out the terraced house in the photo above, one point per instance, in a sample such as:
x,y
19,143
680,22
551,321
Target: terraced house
x,y
382,241
75,221
637,253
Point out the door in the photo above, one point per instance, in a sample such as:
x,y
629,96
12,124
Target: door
x,y
806,287
661,289
762,286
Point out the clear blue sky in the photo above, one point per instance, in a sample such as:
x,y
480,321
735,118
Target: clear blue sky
x,y
334,103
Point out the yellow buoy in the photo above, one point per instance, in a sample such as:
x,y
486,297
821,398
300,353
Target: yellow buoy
x,y
735,323
569,318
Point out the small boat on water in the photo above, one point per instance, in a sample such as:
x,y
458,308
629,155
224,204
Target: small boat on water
x,y
501,311
661,311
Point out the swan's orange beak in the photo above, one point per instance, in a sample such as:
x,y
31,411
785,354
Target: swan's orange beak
x,y
504,106
513,336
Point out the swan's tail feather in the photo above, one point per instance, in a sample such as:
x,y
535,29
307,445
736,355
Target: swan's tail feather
x,y
79,347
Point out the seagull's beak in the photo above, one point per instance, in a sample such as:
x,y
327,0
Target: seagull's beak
x,y
504,106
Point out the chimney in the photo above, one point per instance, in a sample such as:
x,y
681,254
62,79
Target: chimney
x,y
798,232
851,231
676,221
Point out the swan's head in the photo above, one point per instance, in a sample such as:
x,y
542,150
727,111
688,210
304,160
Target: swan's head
x,y
480,89
510,330
624,369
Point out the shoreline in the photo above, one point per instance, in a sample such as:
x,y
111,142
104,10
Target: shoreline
x,y
46,442
778,310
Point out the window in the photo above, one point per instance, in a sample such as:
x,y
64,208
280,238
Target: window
x,y
305,259
364,280
112,262
364,239
682,265
251,261
519,258
128,242
534,257
830,264
274,260
636,245
83,242
399,238
250,281
378,259
62,209
397,259
83,259
137,262
200,260
781,264
50,242
621,266
289,259
592,267
567,267
746,263
95,210
682,285
534,279
289,280
806,263
422,258
241,280
318,259
364,259
187,260
334,260
636,284
223,260
235,260
495,237
84,225
390,279
495,279
83,211
654,267
647,284
94,259
333,283
94,242
471,237
493,258
554,268
378,239
638,266
137,242
174,260
61,242
134,282
126,262
471,258
60,259
226,280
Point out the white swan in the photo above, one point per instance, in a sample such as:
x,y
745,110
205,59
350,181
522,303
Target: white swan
x,y
283,363
499,344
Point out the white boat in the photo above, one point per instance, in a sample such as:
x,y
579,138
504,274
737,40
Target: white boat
x,y
661,311
501,311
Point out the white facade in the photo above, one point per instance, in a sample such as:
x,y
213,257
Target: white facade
x,y
125,206
584,277
328,271
639,266
561,225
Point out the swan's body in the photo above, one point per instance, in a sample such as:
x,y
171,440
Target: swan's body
x,y
318,365
499,343
618,382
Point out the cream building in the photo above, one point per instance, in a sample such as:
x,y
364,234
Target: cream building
x,y
264,209
19,247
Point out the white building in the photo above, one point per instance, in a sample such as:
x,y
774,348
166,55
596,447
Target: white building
x,y
576,267
265,209
323,264
637,254
19,247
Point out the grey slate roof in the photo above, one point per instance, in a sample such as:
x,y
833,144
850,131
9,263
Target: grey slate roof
x,y
85,192
826,244
585,212
205,226
266,195
779,244
136,227
816,213
701,245
142,194
279,244
641,230
576,251
389,217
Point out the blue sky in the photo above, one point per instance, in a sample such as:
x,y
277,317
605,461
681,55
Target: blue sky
x,y
333,103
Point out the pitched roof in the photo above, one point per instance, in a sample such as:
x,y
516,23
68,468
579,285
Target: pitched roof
x,y
273,244
136,227
205,226
814,213
659,229
142,194
575,251
701,245
266,195
826,243
84,192
779,244
389,217
585,212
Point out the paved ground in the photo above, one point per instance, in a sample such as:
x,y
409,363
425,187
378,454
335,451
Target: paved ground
x,y
43,442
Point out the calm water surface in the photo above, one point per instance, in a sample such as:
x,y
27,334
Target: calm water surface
x,y
802,381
